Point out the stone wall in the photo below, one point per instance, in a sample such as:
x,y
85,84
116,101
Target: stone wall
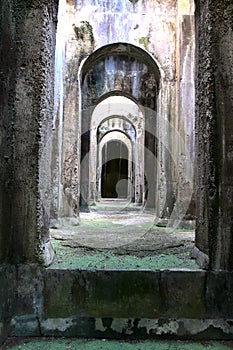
x,y
123,304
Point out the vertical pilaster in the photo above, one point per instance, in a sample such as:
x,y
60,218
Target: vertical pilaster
x,y
214,129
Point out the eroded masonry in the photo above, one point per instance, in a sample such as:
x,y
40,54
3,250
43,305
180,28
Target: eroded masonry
x,y
115,101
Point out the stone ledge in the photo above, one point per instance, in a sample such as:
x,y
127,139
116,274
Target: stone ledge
x,y
171,303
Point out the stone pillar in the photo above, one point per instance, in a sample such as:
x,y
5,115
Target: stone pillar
x,y
58,116
71,146
32,113
185,119
92,180
85,162
214,129
150,160
7,88
137,175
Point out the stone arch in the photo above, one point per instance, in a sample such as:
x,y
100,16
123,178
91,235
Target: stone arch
x,y
106,158
124,109
117,123
102,74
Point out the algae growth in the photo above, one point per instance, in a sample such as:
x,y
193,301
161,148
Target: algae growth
x,y
82,259
121,237
144,41
74,344
84,32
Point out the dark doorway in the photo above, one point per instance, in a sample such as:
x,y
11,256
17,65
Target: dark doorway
x,y
114,170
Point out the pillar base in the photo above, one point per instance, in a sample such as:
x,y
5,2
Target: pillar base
x,y
202,259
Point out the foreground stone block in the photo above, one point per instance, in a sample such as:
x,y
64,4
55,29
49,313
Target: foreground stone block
x,y
182,293
101,293
7,298
219,296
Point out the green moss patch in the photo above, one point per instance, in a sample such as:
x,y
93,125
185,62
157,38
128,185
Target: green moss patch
x,y
72,258
84,32
144,41
71,344
111,239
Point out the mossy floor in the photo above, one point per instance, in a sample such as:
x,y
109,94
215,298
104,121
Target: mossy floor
x,y
77,344
120,236
82,259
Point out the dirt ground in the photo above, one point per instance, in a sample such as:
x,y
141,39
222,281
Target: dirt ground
x,y
117,234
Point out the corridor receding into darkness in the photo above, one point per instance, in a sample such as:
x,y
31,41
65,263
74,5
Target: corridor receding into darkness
x,y
116,166
123,145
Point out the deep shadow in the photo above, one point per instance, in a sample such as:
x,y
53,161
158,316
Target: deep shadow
x,y
114,170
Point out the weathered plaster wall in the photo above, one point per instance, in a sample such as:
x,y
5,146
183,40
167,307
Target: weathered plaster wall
x,y
214,130
125,21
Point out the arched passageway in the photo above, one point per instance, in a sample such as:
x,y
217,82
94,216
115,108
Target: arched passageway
x,y
114,170
119,81
132,91
117,118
